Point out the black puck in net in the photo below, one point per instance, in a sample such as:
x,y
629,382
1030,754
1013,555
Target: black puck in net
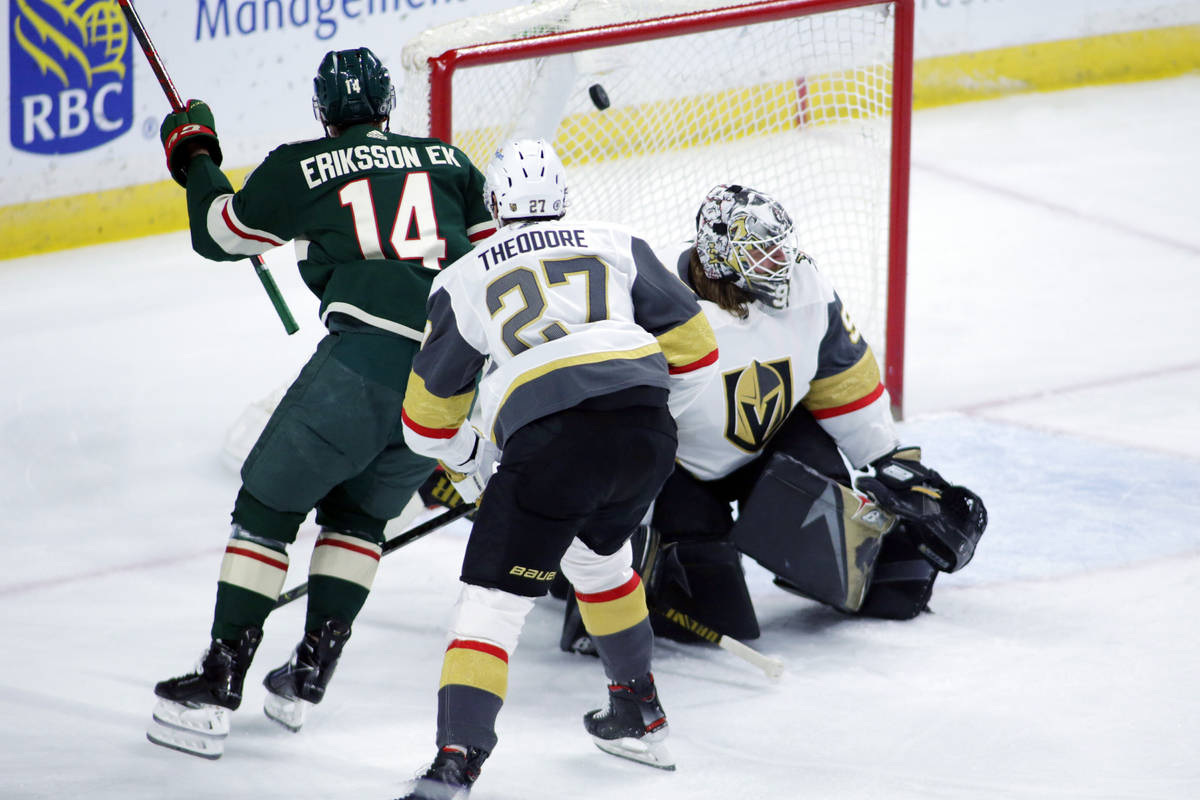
x,y
599,96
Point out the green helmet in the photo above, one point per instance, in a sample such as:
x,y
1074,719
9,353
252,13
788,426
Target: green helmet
x,y
352,86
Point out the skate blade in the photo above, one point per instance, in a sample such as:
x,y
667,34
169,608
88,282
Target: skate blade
x,y
186,741
654,754
287,712
207,720
422,789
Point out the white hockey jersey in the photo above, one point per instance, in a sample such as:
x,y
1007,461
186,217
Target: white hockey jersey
x,y
807,354
560,312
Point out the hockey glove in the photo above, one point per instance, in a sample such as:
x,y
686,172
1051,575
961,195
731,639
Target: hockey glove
x,y
947,520
471,476
182,132
438,491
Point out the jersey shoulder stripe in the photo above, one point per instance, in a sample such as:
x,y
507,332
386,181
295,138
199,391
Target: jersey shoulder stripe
x,y
431,415
846,391
854,405
478,232
689,346
427,432
245,231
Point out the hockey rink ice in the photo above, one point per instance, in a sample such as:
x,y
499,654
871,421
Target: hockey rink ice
x,y
1053,367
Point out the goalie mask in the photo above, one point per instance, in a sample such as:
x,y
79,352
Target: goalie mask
x,y
352,87
525,180
746,238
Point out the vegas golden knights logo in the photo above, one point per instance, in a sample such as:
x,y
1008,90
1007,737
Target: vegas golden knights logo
x,y
758,398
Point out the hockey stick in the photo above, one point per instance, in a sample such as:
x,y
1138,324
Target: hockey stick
x,y
771,666
168,87
395,543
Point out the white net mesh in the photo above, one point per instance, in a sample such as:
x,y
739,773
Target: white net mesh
x,y
799,108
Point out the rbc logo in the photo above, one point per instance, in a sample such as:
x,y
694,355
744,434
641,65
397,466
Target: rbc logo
x,y
72,74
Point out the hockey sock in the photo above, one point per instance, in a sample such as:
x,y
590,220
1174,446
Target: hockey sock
x,y
252,574
619,625
474,683
340,575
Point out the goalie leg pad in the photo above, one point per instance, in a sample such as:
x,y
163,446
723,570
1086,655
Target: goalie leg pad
x,y
903,581
820,537
704,580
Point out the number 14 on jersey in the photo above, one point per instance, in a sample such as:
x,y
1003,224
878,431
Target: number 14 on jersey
x,y
414,215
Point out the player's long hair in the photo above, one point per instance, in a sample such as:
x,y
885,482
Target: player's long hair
x,y
729,297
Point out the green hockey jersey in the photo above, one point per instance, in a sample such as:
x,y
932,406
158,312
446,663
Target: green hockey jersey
x,y
374,215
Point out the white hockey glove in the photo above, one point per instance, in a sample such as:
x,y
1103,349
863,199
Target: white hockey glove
x,y
471,476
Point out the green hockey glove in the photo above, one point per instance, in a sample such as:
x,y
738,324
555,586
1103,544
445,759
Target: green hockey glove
x,y
947,520
182,132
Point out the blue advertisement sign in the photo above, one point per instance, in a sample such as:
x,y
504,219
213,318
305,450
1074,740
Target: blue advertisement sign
x,y
71,67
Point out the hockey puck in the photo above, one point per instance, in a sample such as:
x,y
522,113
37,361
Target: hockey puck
x,y
599,96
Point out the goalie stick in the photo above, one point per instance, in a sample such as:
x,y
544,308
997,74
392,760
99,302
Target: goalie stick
x,y
772,667
168,87
395,543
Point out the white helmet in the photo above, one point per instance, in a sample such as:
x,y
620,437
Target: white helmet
x,y
525,181
745,237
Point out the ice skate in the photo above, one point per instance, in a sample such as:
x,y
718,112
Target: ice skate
x,y
192,713
634,725
300,683
450,777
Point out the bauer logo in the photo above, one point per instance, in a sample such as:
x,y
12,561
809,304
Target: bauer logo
x,y
72,74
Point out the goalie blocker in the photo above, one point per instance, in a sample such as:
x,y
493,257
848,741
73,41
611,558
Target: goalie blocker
x,y
820,538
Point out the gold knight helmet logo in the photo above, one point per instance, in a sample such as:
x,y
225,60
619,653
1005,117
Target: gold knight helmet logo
x,y
758,398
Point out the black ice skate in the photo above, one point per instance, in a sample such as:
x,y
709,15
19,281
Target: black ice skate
x,y
192,713
634,725
451,775
301,682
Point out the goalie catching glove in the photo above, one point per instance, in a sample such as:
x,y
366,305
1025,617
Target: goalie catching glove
x,y
947,520
471,476
182,132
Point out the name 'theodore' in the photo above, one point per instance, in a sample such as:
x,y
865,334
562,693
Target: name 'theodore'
x,y
530,240
323,166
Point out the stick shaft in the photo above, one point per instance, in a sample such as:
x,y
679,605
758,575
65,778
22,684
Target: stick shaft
x,y
281,306
156,64
173,97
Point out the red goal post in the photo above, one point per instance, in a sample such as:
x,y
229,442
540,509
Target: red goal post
x,y
808,100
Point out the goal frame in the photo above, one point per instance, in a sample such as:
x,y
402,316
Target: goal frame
x,y
443,67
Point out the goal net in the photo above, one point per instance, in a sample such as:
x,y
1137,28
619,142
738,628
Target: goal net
x,y
650,103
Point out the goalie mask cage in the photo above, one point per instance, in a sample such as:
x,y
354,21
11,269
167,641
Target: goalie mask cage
x,y
650,103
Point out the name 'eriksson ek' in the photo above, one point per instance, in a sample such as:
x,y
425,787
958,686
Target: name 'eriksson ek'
x,y
323,166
